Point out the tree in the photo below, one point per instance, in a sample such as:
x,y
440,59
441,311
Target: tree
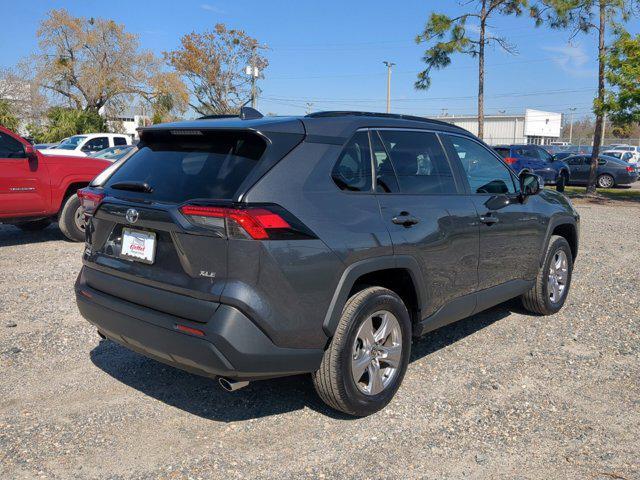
x,y
7,118
447,36
584,16
213,63
622,73
21,95
65,122
91,62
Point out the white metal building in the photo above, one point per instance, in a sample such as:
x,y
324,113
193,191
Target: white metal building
x,y
535,126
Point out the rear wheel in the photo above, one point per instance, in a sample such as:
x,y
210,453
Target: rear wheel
x,y
71,220
606,181
34,226
368,355
548,294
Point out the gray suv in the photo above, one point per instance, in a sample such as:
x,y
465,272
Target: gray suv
x,y
251,248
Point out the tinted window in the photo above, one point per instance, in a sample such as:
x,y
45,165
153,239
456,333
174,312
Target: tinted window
x,y
504,152
542,154
209,166
119,141
386,180
352,171
418,161
486,174
10,147
574,160
96,144
71,143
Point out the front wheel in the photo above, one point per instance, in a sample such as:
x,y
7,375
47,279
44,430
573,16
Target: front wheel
x,y
549,292
366,361
563,181
71,221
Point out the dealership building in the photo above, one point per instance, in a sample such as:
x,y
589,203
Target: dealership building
x,y
535,126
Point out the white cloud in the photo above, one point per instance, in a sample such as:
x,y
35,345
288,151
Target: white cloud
x,y
210,8
572,59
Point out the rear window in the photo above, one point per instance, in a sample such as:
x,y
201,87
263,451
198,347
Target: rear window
x,y
178,167
503,152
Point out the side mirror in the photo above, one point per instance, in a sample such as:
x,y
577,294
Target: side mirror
x,y
530,183
30,153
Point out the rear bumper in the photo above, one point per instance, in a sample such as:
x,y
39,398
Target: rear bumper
x,y
232,345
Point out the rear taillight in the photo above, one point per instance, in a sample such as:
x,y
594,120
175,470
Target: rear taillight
x,y
510,160
259,222
631,169
89,199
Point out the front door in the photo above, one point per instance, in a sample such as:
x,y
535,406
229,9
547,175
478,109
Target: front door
x,y
427,213
511,231
24,188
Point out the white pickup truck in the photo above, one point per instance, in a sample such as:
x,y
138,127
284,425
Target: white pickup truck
x,y
86,144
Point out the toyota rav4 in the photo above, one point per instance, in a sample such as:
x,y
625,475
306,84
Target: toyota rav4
x,y
251,248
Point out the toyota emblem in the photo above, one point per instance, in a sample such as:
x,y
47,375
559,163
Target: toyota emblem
x,y
132,215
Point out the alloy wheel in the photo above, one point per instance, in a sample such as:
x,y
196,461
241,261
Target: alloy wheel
x,y
376,353
558,276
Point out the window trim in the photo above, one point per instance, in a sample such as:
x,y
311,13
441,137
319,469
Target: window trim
x,y
514,176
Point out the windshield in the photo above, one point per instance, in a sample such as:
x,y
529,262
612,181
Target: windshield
x,y
72,142
112,153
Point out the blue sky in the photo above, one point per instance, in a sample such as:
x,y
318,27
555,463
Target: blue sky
x,y
330,53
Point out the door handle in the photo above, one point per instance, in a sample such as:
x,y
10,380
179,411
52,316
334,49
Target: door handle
x,y
488,219
405,219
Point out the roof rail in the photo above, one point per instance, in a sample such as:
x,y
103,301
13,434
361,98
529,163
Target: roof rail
x,y
399,116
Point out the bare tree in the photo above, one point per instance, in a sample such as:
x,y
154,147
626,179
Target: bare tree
x,y
213,63
90,62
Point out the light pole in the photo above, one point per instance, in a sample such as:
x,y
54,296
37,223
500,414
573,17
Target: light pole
x,y
389,65
572,109
254,73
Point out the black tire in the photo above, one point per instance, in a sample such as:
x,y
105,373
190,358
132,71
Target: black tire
x,y
563,181
538,300
34,226
333,381
606,181
67,221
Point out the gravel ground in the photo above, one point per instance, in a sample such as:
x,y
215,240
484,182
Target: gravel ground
x,y
500,395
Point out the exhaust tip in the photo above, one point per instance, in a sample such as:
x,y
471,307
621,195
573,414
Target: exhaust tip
x,y
231,385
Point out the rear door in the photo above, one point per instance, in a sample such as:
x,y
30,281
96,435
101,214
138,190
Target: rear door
x,y
511,232
24,183
426,212
577,174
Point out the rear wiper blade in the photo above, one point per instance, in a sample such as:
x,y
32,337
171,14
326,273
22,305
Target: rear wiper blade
x,y
133,187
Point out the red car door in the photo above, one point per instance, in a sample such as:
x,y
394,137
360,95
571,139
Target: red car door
x,y
24,184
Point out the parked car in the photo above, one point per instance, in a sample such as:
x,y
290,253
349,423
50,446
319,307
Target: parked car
x,y
262,247
535,159
83,145
45,146
611,171
628,156
36,189
113,153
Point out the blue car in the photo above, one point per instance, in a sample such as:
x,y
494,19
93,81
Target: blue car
x,y
532,158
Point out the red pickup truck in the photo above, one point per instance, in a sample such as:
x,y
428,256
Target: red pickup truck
x,y
36,189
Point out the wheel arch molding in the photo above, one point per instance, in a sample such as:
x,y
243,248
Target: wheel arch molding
x,y
359,269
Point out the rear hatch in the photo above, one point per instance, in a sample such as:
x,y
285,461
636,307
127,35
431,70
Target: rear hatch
x,y
163,219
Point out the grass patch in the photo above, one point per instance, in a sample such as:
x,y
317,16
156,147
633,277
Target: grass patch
x,y
624,194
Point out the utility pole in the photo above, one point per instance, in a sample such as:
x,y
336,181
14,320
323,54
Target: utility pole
x,y
604,127
572,109
253,72
389,65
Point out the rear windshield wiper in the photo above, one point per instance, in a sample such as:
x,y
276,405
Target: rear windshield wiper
x,y
133,186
